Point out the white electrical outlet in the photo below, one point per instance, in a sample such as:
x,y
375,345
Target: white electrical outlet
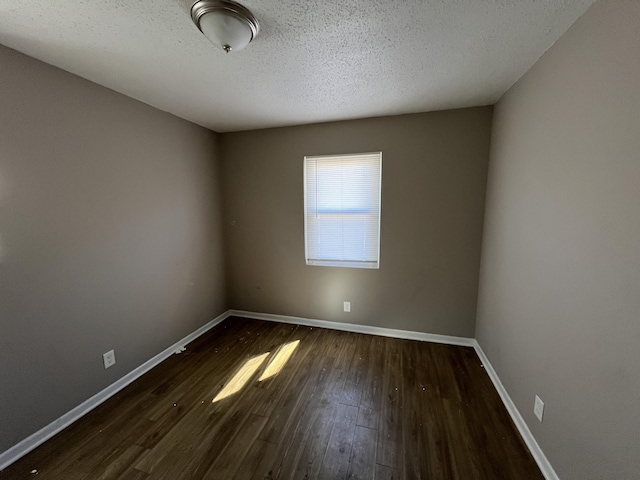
x,y
347,306
538,408
109,359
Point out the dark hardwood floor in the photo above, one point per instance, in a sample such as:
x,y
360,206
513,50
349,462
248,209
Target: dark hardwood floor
x,y
343,405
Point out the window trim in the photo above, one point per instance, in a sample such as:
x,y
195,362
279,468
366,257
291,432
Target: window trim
x,y
372,265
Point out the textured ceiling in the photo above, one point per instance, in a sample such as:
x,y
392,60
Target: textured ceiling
x,y
313,61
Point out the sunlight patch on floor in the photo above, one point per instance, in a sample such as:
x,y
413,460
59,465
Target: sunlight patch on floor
x,y
279,360
241,377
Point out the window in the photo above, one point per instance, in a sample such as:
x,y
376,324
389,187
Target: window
x,y
342,210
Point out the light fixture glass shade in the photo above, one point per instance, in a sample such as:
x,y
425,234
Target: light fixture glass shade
x,y
228,25
225,31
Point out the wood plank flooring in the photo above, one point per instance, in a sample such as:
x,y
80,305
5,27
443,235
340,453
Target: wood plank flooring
x,y
343,406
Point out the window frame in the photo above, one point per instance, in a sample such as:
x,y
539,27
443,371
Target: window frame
x,y
365,264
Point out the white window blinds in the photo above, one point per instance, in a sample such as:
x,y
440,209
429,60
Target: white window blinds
x,y
342,210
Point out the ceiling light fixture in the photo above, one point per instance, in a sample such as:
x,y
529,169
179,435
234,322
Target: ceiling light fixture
x,y
228,25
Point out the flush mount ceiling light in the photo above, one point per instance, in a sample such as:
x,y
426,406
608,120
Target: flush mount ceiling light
x,y
228,25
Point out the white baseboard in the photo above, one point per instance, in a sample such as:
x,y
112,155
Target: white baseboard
x,y
45,433
537,453
352,327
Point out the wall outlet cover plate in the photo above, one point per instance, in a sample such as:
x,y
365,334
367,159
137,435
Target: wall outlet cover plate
x,y
109,359
538,408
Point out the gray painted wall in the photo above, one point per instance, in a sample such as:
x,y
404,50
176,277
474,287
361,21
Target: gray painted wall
x,y
109,238
559,303
433,187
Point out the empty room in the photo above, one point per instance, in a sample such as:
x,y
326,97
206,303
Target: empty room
x,y
320,240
